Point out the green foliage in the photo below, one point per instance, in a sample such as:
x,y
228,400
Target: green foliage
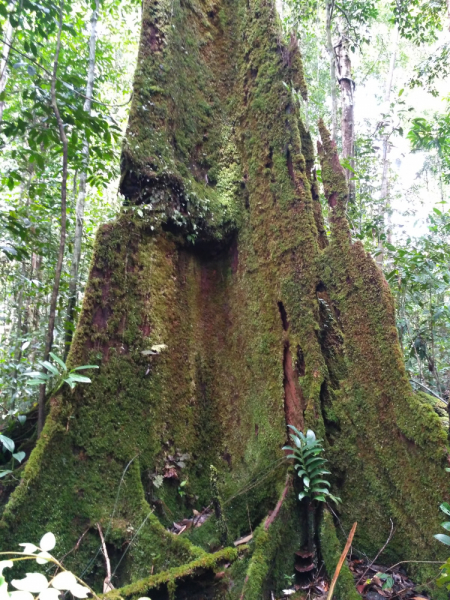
x,y
37,583
8,446
306,452
58,375
444,579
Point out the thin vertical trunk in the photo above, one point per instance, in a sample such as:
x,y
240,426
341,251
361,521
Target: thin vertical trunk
x,y
4,63
448,13
62,239
385,203
332,57
79,211
347,85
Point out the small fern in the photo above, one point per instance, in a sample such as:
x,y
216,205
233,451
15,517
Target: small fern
x,y
310,466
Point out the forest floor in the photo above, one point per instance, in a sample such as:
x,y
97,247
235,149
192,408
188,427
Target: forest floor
x,y
372,581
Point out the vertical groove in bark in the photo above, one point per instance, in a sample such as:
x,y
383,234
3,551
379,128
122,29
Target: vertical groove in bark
x,y
81,198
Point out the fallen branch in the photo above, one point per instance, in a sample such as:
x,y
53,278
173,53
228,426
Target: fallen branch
x,y
107,585
341,561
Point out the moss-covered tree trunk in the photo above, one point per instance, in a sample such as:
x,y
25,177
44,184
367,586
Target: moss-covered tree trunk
x,y
219,312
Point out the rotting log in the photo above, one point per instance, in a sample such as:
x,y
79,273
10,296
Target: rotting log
x,y
220,261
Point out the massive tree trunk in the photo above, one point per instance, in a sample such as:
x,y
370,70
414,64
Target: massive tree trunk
x,y
219,312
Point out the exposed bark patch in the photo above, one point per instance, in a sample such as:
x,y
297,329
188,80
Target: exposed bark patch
x,y
293,395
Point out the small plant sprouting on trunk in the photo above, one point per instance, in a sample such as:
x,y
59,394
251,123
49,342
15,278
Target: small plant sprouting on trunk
x,y
310,466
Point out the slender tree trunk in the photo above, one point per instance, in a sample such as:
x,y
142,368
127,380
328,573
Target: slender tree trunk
x,y
448,13
332,57
62,239
4,62
82,190
385,203
347,85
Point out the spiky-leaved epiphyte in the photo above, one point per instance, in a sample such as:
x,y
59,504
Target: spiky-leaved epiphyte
x,y
310,465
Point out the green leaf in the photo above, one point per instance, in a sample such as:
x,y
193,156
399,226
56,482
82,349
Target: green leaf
x,y
441,537
7,443
78,378
19,456
58,360
445,507
4,473
446,525
85,367
48,365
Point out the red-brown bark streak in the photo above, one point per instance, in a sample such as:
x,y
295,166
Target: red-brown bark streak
x,y
293,397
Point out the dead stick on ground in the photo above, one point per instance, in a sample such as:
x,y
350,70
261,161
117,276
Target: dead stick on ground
x,y
378,554
341,561
107,585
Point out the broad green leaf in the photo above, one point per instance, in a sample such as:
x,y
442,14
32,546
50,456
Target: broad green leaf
x,y
43,558
48,365
64,581
79,378
445,539
5,473
49,594
7,443
33,582
85,367
29,548
19,456
59,361
79,591
445,507
48,542
22,595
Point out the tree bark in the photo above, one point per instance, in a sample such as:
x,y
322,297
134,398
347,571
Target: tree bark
x,y
347,85
384,196
62,238
219,313
79,211
332,58
4,63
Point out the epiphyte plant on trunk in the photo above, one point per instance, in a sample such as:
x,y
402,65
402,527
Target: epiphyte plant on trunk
x,y
310,465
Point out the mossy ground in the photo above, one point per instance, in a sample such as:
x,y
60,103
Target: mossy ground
x,y
265,320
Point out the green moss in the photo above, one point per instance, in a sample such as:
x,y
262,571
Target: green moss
x,y
170,577
265,320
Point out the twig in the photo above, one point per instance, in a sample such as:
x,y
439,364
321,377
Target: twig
x,y
428,390
427,562
379,552
273,515
107,585
341,561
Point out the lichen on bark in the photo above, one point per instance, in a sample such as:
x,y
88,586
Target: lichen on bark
x,y
260,319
